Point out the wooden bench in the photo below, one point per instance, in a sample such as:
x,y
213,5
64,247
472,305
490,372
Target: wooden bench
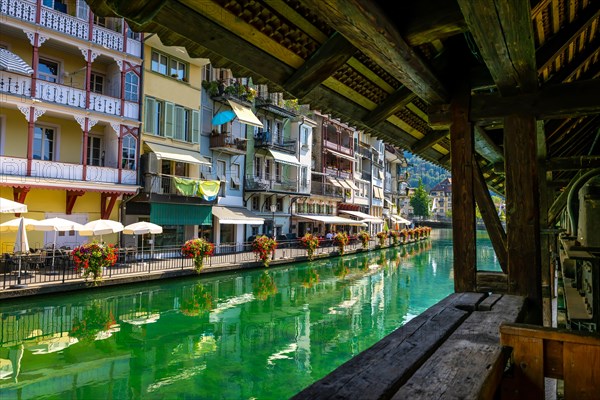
x,y
452,350
539,352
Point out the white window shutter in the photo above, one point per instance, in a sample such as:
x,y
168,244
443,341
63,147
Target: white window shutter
x,y
149,119
169,119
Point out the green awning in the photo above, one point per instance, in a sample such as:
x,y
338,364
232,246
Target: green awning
x,y
180,214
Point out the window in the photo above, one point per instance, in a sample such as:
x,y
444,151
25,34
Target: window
x,y
206,169
207,73
304,177
256,203
267,169
95,154
221,165
48,70
134,35
43,143
304,136
277,172
169,66
257,167
153,120
82,10
96,83
279,204
235,176
58,5
182,123
132,85
129,152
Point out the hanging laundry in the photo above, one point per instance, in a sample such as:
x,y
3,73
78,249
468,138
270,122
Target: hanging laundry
x,y
186,187
208,190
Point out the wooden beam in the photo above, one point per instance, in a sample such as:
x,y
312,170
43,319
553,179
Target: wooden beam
x,y
581,59
332,55
390,106
503,32
522,210
490,215
573,163
463,202
429,140
72,196
486,148
106,208
566,100
373,32
423,22
558,43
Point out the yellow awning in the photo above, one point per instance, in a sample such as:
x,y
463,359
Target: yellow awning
x,y
352,184
164,152
244,114
236,215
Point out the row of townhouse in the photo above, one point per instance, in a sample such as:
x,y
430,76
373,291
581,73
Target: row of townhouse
x,y
97,121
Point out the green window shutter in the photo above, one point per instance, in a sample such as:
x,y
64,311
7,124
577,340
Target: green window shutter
x,y
195,126
169,119
179,132
149,119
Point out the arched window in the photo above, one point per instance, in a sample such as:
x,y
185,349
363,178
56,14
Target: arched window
x,y
132,87
129,152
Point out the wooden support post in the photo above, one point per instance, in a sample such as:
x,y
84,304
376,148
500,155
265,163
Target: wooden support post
x,y
489,215
72,196
522,211
463,202
546,240
106,209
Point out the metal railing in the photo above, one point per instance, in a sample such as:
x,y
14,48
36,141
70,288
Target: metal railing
x,y
276,141
271,182
58,267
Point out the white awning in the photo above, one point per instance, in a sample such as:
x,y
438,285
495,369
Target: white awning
x,y
334,181
365,217
64,184
398,219
341,155
164,152
284,158
244,114
352,184
236,215
11,62
378,192
344,183
390,204
331,219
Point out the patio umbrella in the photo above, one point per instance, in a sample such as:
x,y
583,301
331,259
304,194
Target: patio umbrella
x,y
13,224
223,117
142,228
100,227
9,206
55,225
56,342
21,246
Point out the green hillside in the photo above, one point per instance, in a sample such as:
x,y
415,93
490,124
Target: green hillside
x,y
420,169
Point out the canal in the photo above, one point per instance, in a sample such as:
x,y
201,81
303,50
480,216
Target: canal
x,y
258,334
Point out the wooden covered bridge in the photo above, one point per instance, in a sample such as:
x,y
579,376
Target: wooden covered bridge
x,y
503,93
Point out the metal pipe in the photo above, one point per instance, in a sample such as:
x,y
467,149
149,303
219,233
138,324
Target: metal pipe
x,y
572,212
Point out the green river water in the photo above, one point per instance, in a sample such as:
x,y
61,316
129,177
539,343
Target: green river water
x,y
255,334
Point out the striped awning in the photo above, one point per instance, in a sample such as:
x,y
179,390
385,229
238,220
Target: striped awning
x,y
11,62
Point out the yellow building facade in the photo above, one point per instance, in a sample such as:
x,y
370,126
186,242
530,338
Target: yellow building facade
x,y
70,94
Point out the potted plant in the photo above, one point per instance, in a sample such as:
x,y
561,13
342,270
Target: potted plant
x,y
264,246
310,242
265,287
198,249
91,258
394,235
341,240
364,238
197,303
381,236
404,234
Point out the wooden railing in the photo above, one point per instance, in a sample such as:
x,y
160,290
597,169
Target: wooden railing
x,y
539,352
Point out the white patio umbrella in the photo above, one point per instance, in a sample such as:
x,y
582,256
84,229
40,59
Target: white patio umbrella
x,y
143,228
100,227
55,225
21,246
13,224
9,206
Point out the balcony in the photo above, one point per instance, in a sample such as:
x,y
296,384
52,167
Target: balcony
x,y
325,189
364,152
70,173
266,183
228,144
69,25
266,139
332,171
50,92
342,148
165,188
366,176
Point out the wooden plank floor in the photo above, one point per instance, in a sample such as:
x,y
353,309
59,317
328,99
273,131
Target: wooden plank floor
x,y
454,343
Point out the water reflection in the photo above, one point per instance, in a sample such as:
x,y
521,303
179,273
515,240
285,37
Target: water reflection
x,y
260,333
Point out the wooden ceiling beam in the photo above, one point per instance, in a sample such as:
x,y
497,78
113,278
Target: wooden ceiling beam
x,y
557,101
557,44
390,106
572,163
425,21
429,140
332,55
372,31
567,71
503,32
485,147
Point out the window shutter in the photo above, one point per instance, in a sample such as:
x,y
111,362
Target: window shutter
x,y
179,129
169,119
149,115
195,126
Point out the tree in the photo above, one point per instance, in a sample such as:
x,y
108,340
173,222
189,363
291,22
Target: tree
x,y
420,201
